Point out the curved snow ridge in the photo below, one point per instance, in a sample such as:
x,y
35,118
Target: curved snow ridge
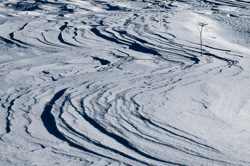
x,y
114,136
231,3
81,31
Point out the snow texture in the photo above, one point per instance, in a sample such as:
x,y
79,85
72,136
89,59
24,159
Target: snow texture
x,y
108,83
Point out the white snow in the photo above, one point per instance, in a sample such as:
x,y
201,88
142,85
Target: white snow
x,y
103,83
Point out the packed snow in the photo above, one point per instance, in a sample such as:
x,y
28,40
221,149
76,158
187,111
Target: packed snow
x,y
108,83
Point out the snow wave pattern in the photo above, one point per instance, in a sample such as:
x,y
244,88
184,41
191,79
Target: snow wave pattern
x,y
99,83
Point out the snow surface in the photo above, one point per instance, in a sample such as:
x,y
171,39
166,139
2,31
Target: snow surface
x,y
101,82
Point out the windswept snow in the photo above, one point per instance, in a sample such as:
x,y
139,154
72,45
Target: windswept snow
x,y
102,83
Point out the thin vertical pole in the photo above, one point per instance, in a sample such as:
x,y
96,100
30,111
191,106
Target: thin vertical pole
x,y
201,38
160,18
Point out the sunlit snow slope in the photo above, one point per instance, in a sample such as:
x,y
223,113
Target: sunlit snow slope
x,y
112,83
